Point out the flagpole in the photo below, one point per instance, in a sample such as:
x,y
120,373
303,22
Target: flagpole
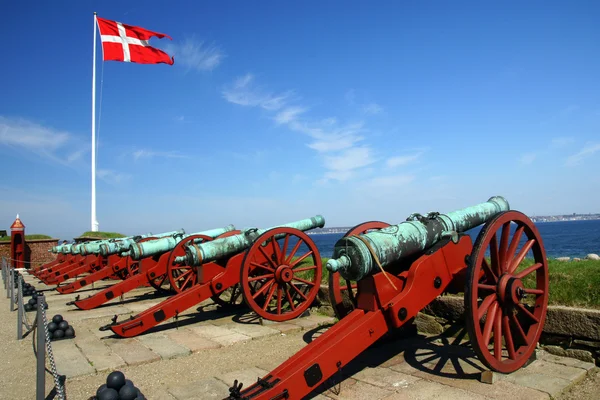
x,y
94,221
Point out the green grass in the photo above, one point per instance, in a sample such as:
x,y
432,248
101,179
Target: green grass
x,y
102,235
27,237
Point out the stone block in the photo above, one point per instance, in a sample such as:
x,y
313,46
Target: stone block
x,y
428,325
163,346
582,355
385,378
192,341
70,361
451,308
132,351
211,331
210,388
576,322
228,340
252,330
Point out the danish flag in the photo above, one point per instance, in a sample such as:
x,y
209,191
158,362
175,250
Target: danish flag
x,y
122,42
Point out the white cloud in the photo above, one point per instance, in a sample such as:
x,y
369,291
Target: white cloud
x,y
112,177
244,93
588,150
194,54
372,109
349,159
392,181
527,158
402,160
289,114
55,145
561,142
144,153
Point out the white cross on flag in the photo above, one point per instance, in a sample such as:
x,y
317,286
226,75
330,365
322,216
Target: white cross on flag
x,y
122,42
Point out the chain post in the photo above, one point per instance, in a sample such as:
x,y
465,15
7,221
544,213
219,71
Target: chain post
x,y
8,286
12,290
20,309
41,351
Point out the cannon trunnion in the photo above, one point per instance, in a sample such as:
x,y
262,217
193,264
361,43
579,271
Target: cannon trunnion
x,y
503,277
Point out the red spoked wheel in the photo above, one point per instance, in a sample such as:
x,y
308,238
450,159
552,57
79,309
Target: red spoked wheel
x,y
506,293
342,293
277,283
229,297
133,266
181,276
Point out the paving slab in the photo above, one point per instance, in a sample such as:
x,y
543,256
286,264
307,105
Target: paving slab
x,y
385,378
164,346
69,359
191,340
286,328
132,351
252,330
545,383
231,339
205,389
211,331
360,391
247,376
427,390
100,356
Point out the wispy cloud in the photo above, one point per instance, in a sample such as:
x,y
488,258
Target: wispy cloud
x,y
245,93
559,142
528,158
112,177
372,109
145,153
588,150
195,54
403,160
52,144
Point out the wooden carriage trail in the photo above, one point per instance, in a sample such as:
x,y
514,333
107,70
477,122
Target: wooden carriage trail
x,y
226,314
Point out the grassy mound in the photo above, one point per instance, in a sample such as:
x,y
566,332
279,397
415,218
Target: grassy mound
x,y
27,237
102,235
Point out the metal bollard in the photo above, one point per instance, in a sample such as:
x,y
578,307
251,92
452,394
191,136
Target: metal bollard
x,y
20,309
8,285
40,392
12,290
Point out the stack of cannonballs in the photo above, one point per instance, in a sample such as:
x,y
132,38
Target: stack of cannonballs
x,y
118,388
32,303
59,328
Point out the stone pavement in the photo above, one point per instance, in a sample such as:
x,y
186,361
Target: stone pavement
x,y
412,367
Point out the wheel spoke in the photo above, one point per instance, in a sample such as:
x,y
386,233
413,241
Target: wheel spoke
x,y
527,312
521,255
488,271
260,277
483,286
510,346
269,297
498,334
485,304
179,277
276,249
283,259
294,250
263,289
303,281
494,255
533,291
516,322
298,290
300,259
305,269
260,248
489,322
186,281
528,270
257,265
504,246
514,244
289,298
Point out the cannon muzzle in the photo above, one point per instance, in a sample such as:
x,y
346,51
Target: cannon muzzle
x,y
152,247
224,247
353,256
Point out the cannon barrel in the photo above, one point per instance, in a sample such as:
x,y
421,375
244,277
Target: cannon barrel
x,y
211,251
163,245
76,248
122,246
352,257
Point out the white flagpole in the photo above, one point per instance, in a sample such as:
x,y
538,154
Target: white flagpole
x,y
94,222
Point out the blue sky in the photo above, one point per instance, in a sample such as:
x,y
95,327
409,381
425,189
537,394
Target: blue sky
x,y
277,111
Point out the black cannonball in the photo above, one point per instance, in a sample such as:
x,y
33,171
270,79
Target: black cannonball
x,y
63,325
57,319
69,332
101,388
108,394
58,334
115,380
28,307
129,382
32,301
33,295
128,392
52,327
45,306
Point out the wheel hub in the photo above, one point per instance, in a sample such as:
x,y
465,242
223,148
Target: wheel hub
x,y
284,274
510,289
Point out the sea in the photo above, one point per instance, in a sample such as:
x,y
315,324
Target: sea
x,y
561,239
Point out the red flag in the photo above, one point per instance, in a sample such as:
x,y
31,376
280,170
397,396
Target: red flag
x,y
122,42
